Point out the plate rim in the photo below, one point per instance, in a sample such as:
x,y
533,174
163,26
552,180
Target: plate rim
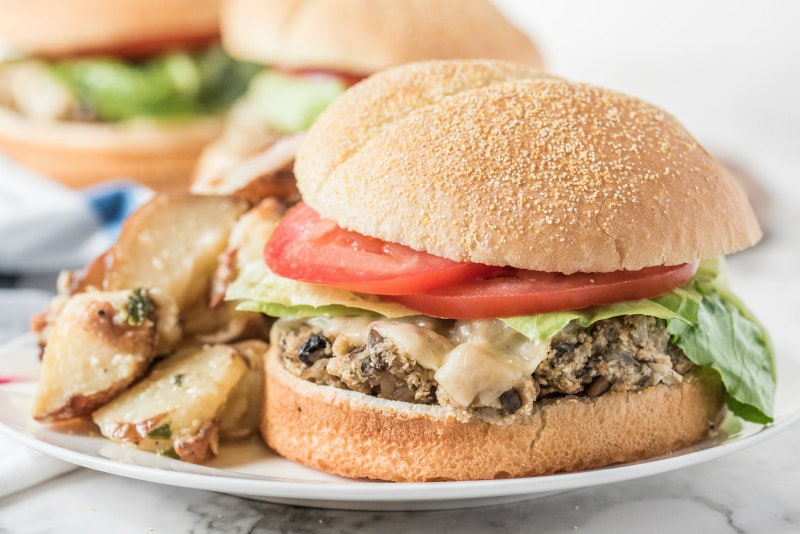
x,y
319,492
378,491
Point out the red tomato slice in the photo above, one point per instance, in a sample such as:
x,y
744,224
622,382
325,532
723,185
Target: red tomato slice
x,y
530,292
308,248
347,79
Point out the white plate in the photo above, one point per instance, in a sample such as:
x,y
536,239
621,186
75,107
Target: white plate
x,y
252,470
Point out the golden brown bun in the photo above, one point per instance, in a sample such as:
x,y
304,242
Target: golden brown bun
x,y
364,36
356,435
158,154
494,163
56,28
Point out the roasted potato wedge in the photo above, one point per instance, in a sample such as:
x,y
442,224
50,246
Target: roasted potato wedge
x,y
253,229
92,276
98,345
172,243
246,244
223,323
268,173
242,413
176,409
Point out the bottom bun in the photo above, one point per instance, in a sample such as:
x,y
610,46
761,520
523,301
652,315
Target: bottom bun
x,y
159,154
355,435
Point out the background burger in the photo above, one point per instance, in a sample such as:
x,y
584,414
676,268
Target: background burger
x,y
313,51
498,273
98,90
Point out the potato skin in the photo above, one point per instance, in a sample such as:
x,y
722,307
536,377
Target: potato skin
x,y
94,351
176,409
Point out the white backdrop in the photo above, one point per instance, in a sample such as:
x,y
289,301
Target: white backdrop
x,y
729,70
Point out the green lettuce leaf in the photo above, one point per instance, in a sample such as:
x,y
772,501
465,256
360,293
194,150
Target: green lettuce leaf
x,y
682,305
170,85
728,338
739,349
292,103
259,289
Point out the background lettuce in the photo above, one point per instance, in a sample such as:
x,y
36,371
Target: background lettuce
x,y
292,103
169,85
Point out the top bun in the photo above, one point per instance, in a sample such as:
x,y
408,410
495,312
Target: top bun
x,y
72,27
496,163
364,36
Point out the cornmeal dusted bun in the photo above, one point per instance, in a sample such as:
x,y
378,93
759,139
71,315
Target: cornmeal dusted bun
x,y
495,163
79,154
363,36
52,28
356,435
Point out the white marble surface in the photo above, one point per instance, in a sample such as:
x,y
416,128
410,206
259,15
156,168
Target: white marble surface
x,y
731,72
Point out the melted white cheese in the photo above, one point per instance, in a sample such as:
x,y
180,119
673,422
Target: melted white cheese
x,y
427,347
489,359
474,372
354,328
472,360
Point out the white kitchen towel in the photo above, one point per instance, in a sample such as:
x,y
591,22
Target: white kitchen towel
x,y
46,227
22,468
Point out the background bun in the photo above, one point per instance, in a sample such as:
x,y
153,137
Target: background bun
x,y
57,28
355,435
157,153
363,36
495,163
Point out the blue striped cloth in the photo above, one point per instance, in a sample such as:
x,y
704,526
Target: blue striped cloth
x,y
46,227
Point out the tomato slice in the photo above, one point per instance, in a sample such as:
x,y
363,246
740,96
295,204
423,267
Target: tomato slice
x,y
530,292
308,248
347,79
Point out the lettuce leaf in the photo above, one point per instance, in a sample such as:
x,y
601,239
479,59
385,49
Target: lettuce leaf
x,y
728,338
170,85
259,289
682,304
292,103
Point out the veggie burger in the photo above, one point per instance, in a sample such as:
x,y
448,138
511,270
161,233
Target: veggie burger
x,y
499,273
92,90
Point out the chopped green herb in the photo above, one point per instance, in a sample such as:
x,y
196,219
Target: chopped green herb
x,y
178,379
140,307
169,453
160,432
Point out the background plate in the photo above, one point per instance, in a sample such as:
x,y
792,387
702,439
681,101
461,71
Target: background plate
x,y
250,469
